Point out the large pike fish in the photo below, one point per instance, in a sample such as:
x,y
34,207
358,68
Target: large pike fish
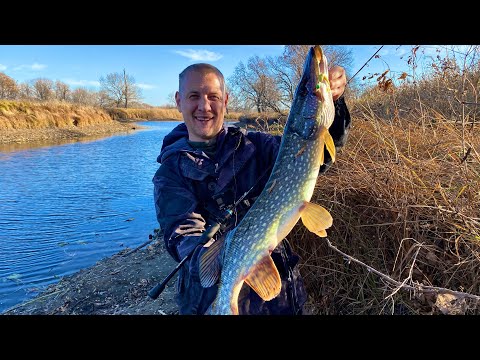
x,y
284,200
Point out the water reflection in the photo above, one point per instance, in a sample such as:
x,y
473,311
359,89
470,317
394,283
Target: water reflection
x,y
66,204
11,147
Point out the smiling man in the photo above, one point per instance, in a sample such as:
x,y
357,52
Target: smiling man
x,y
206,165
202,100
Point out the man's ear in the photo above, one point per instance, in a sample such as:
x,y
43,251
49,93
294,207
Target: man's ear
x,y
226,102
177,100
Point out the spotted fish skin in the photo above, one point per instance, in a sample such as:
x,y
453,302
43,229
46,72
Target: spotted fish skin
x,y
285,198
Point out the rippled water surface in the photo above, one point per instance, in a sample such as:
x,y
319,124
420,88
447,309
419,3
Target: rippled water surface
x,y
65,206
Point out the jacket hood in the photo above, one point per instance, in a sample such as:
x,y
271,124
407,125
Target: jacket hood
x,y
176,141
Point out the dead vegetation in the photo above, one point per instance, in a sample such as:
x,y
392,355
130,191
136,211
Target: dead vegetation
x,y
51,114
404,203
405,199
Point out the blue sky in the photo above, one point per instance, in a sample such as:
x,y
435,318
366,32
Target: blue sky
x,y
156,67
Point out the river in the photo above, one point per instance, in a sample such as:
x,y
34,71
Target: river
x,y
64,206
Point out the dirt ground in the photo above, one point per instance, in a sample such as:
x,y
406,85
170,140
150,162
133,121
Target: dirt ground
x,y
117,285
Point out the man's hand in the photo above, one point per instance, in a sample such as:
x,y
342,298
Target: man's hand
x,y
338,81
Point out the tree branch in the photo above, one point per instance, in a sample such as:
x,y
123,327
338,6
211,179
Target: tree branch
x,y
416,287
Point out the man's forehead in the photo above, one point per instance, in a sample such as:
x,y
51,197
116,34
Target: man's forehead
x,y
198,81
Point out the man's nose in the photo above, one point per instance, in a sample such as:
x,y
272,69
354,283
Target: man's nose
x,y
204,104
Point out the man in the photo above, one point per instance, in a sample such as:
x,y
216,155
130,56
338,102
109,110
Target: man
x,y
206,165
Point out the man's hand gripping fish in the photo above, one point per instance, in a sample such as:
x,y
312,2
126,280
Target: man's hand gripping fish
x,y
284,200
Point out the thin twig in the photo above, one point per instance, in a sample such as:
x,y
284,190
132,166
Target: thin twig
x,y
418,287
139,247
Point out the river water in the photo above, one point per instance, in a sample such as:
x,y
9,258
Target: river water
x,y
65,206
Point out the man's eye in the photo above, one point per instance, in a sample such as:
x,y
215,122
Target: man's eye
x,y
193,96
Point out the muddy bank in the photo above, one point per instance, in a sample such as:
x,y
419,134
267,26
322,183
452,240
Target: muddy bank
x,y
117,285
66,133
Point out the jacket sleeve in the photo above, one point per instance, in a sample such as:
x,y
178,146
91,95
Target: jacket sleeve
x,y
339,129
175,207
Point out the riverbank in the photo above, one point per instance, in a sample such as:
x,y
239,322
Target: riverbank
x,y
116,285
66,133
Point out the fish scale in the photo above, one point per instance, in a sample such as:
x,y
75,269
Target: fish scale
x,y
284,200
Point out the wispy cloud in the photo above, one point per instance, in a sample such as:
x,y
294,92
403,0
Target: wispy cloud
x,y
74,82
146,86
199,55
394,50
3,67
35,66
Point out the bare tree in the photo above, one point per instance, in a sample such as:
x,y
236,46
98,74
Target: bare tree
x,y
104,100
112,86
234,103
255,85
43,89
8,87
269,84
132,92
62,91
25,91
288,67
120,88
171,102
84,97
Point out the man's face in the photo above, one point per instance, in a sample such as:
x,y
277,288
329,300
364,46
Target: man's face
x,y
202,103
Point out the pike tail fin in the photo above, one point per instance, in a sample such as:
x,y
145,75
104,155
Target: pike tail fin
x,y
265,279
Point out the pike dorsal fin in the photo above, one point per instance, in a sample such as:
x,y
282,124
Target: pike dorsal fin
x,y
316,218
210,262
265,279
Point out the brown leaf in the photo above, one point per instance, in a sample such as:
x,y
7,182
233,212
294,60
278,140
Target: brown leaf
x,y
449,304
403,76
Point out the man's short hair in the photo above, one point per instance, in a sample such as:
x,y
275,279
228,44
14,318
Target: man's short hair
x,y
204,68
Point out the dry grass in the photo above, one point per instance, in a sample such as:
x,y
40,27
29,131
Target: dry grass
x,y
405,198
404,203
145,114
155,113
37,115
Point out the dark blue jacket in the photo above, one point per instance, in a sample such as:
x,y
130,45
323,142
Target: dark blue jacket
x,y
188,188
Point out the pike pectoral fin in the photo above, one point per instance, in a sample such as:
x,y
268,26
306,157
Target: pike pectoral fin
x,y
316,218
265,279
210,263
326,140
330,145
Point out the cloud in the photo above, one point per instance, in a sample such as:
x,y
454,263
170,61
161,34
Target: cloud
x,y
34,66
394,50
146,86
3,67
73,82
199,55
